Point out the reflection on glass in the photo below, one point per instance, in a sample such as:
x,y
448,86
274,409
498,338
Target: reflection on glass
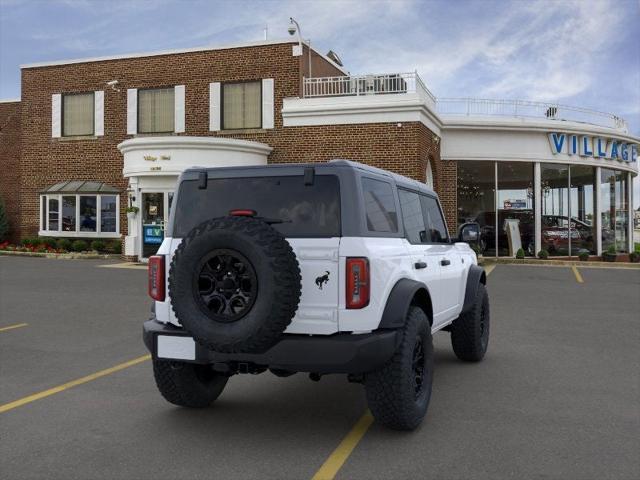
x,y
108,213
554,182
53,213
515,208
69,214
476,200
88,213
581,204
614,209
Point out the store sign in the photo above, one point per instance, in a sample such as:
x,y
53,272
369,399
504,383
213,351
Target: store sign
x,y
153,234
597,147
515,204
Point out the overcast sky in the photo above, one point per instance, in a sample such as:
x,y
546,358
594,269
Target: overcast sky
x,y
583,52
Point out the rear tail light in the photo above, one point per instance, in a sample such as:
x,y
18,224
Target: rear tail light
x,y
156,277
358,285
239,212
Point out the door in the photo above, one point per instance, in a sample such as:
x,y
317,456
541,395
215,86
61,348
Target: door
x,y
449,289
153,222
425,262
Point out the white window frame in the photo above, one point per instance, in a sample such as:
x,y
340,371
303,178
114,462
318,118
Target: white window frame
x,y
78,233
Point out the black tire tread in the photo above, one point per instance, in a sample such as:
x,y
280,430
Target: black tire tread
x,y
182,387
390,401
465,330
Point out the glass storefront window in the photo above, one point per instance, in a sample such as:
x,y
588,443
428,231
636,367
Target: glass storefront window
x,y
614,210
108,213
476,200
581,203
69,214
53,213
554,218
88,212
516,223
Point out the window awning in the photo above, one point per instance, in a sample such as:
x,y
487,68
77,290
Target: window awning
x,y
81,186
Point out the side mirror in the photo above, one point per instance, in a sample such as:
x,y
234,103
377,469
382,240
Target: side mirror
x,y
469,233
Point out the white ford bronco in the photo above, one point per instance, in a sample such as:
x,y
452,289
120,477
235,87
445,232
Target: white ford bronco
x,y
320,268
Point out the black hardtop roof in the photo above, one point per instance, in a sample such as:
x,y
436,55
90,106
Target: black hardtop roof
x,y
330,165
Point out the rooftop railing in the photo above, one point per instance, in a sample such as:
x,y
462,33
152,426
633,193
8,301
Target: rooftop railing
x,y
528,109
401,83
357,85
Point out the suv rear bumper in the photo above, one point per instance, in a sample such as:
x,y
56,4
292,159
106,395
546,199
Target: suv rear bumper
x,y
338,353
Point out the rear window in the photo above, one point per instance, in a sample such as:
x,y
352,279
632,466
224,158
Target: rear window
x,y
306,210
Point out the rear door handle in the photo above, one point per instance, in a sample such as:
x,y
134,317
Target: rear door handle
x,y
445,262
419,265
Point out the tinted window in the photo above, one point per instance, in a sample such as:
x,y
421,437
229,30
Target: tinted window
x,y
380,206
412,217
436,229
306,210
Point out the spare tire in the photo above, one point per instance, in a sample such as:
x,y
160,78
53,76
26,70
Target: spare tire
x,y
235,284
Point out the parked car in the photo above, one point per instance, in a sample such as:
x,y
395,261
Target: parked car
x,y
330,268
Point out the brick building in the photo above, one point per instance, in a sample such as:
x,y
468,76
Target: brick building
x,y
91,137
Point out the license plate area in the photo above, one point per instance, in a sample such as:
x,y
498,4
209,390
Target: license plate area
x,y
175,347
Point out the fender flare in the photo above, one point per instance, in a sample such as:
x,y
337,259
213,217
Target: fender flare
x,y
475,277
401,298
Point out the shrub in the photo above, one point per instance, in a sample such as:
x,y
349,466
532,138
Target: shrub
x,y
583,256
79,246
520,253
64,244
611,250
543,254
98,245
115,247
47,242
634,257
29,242
4,222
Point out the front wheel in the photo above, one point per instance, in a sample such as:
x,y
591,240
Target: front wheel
x,y
398,394
188,384
470,331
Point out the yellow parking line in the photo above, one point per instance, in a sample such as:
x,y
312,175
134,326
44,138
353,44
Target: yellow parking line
x,y
577,274
11,327
134,266
330,467
489,268
52,391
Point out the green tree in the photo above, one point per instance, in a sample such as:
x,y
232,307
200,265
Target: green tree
x,y
4,222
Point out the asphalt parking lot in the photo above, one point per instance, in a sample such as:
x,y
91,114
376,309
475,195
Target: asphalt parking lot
x,y
558,395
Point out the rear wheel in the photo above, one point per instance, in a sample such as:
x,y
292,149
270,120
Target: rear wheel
x,y
399,393
188,384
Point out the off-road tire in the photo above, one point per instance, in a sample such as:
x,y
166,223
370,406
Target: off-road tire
x,y
188,384
470,331
277,275
391,391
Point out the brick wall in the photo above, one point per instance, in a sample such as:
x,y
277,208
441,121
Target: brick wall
x,y
46,161
10,163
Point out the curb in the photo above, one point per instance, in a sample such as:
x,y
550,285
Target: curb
x,y
65,256
559,263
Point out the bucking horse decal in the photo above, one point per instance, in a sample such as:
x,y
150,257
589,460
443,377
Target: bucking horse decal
x,y
322,279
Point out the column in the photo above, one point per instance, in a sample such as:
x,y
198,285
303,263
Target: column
x,y
537,208
598,212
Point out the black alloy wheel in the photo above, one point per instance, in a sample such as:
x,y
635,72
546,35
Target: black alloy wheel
x,y
226,286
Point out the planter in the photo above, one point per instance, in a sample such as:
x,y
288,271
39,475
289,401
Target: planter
x,y
634,257
610,257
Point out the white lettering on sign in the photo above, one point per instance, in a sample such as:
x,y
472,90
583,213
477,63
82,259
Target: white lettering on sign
x,y
597,147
